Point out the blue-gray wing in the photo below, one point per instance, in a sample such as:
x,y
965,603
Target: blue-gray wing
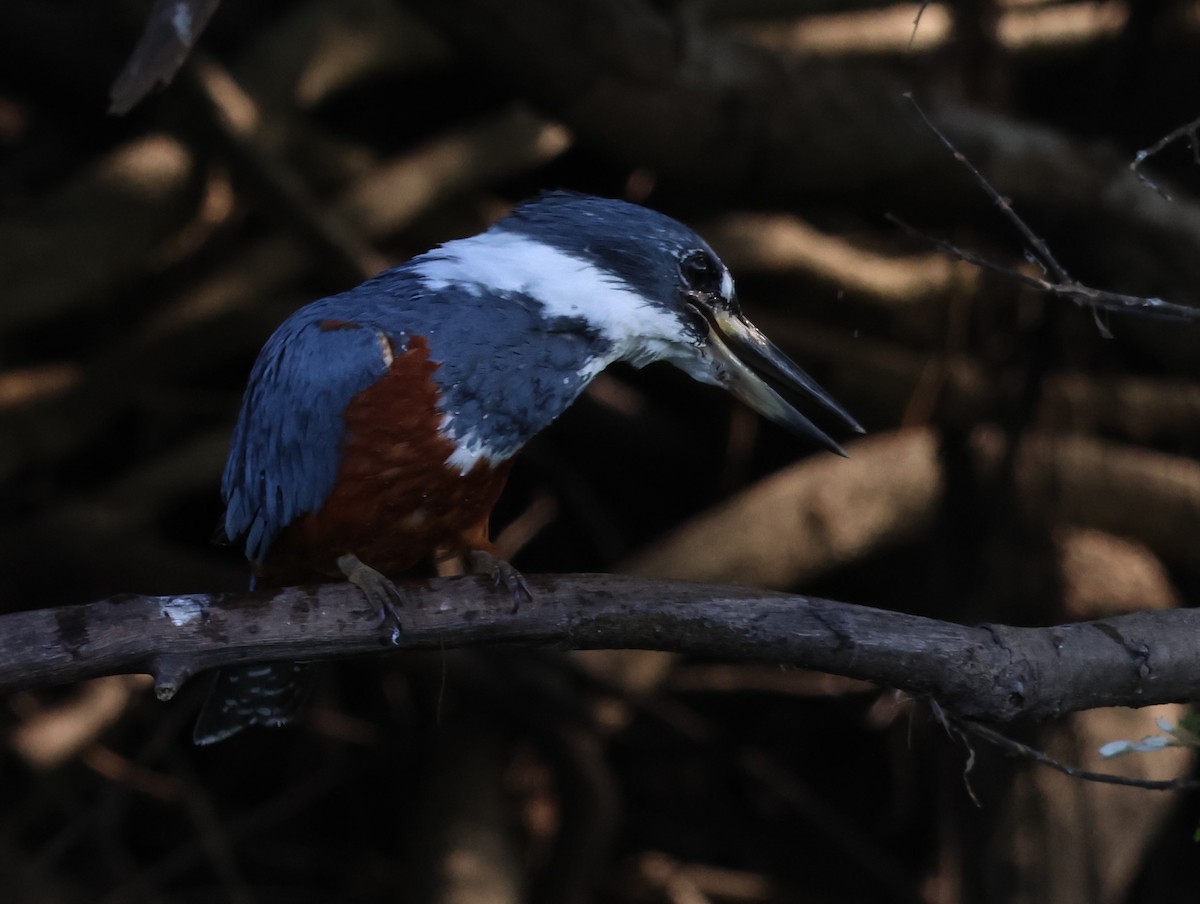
x,y
286,448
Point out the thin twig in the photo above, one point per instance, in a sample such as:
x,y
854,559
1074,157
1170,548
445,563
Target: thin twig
x,y
1016,748
1074,291
1189,131
917,23
1039,246
1062,284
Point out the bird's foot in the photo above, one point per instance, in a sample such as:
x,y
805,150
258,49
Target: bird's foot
x,y
502,575
379,590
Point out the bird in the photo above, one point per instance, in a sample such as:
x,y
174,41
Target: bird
x,y
379,425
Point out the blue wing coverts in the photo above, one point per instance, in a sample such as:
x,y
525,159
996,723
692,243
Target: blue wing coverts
x,y
286,447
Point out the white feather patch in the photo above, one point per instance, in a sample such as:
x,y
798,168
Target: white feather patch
x,y
469,450
385,348
727,286
566,286
639,329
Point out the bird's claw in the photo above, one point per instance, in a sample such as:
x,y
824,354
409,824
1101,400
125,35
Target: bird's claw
x,y
379,590
502,575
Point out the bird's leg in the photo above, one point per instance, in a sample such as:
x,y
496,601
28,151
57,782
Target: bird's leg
x,y
479,557
480,561
379,590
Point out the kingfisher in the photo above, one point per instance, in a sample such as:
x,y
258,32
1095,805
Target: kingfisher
x,y
379,425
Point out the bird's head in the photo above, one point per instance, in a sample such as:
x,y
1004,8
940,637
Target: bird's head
x,y
646,283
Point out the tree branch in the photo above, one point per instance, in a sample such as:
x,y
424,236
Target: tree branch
x,y
1061,282
1016,748
991,672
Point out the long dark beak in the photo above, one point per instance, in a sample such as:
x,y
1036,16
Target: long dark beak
x,y
756,370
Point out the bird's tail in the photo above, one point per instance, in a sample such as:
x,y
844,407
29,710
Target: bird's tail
x,y
258,694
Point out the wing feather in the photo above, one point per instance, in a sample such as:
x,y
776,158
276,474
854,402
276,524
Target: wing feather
x,y
286,448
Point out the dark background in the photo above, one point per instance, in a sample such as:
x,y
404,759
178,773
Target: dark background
x,y
145,258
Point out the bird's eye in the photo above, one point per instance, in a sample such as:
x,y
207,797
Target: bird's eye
x,y
701,272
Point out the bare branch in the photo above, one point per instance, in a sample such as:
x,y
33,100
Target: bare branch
x,y
1190,130
991,672
1041,250
1062,284
1071,290
1016,748
171,29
